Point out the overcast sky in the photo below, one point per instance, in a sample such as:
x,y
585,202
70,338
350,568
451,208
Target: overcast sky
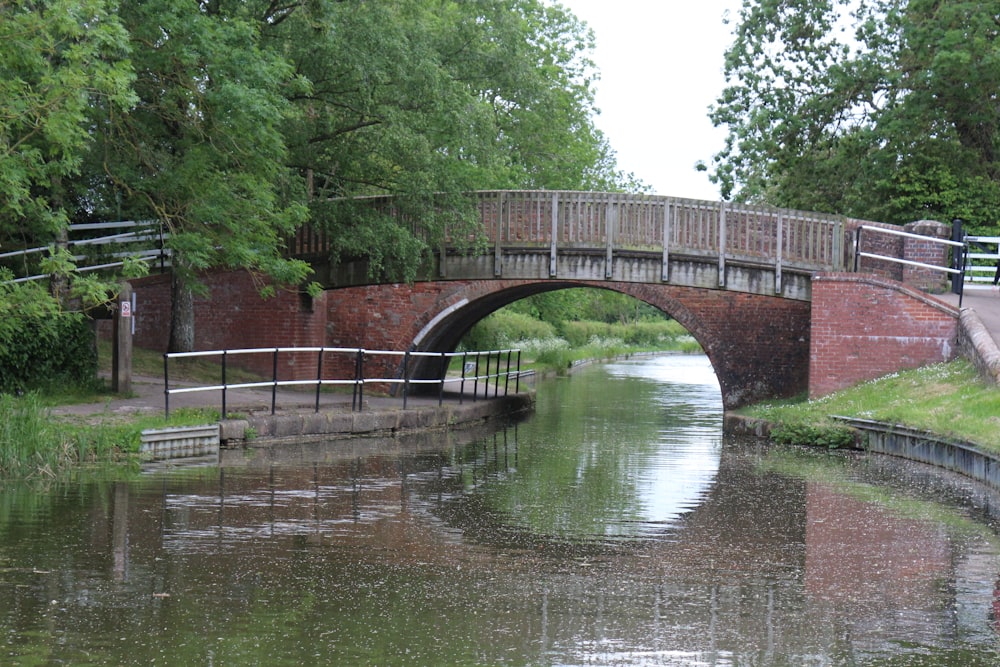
x,y
661,67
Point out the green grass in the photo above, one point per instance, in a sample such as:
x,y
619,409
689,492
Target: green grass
x,y
947,399
35,444
557,355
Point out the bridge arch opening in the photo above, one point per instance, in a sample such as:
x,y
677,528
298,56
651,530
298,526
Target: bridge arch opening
x,y
758,345
461,325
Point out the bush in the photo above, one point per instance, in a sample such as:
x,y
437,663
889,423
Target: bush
x,y
504,329
42,350
580,333
813,435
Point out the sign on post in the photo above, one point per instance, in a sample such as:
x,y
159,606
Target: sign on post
x,y
121,348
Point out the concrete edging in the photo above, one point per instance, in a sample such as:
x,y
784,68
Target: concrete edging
x,y
268,430
179,442
903,442
925,447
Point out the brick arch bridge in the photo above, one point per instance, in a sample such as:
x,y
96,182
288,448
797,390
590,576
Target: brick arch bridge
x,y
763,290
758,345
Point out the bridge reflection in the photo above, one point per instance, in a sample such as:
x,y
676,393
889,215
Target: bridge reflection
x,y
757,568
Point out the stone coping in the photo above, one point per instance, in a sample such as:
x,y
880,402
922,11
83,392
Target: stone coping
x,y
904,442
977,344
297,427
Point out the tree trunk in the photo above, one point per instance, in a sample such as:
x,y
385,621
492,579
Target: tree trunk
x,y
181,313
59,282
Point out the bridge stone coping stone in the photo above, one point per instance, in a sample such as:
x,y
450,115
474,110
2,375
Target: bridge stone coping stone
x,y
979,346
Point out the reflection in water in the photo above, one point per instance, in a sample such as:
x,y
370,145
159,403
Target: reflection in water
x,y
615,527
676,475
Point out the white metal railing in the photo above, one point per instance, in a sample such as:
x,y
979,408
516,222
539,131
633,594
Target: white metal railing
x,y
982,265
899,260
959,248
148,232
480,369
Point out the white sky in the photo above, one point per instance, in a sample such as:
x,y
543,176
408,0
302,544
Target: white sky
x,y
661,68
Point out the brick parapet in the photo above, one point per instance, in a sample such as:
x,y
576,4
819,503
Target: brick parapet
x,y
926,252
865,327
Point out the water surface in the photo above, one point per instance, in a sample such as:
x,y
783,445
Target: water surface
x,y
617,526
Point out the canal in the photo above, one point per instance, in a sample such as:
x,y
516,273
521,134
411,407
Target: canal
x,y
618,525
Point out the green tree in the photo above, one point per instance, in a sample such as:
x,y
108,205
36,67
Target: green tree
x,y
59,60
880,109
203,150
427,100
232,122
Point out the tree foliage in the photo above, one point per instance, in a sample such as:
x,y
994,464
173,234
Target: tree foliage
x,y
881,109
428,100
40,344
59,61
233,122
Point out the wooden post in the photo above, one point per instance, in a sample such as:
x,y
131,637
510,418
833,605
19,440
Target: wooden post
x,y
121,349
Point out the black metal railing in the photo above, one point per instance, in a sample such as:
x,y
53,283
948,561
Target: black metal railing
x,y
478,369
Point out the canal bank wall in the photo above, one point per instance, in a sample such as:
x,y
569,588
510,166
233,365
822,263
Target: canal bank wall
x,y
900,441
258,431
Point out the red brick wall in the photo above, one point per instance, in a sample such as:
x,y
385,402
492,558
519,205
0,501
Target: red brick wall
x,y
861,327
759,345
233,315
927,252
864,327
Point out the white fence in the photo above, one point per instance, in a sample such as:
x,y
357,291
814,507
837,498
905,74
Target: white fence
x,y
982,259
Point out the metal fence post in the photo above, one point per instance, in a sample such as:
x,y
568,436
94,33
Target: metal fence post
x,y
319,376
857,248
517,380
166,387
406,377
223,384
444,376
461,384
506,376
274,380
358,396
475,380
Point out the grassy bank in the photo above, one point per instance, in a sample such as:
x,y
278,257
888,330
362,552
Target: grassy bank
x,y
598,341
947,399
35,443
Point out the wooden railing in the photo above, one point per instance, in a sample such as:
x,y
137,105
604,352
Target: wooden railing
x,y
562,220
667,224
